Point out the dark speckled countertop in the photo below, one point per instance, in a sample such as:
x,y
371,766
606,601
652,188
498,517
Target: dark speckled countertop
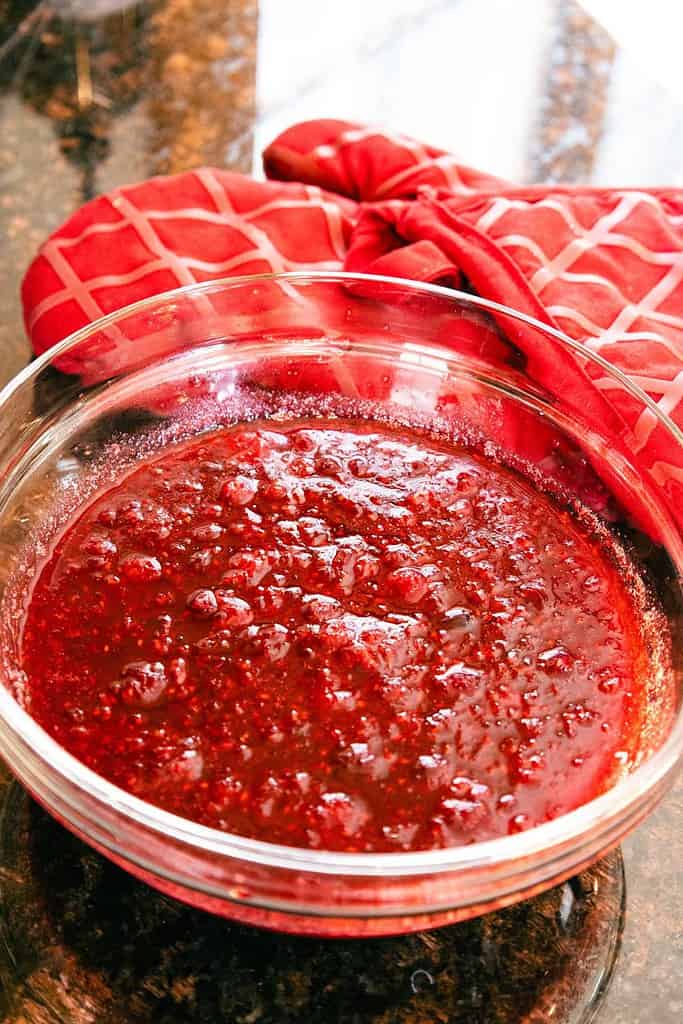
x,y
95,93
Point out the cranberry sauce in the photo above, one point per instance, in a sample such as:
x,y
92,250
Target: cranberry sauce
x,y
340,636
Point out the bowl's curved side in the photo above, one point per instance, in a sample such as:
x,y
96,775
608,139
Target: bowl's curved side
x,y
296,889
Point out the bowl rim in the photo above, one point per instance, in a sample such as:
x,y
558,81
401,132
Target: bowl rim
x,y
549,839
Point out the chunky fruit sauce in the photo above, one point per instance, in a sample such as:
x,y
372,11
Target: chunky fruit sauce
x,y
339,636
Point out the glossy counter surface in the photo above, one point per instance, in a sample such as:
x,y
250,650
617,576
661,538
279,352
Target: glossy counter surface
x,y
92,97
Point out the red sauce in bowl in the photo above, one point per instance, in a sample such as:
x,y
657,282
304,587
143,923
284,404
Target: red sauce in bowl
x,y
339,636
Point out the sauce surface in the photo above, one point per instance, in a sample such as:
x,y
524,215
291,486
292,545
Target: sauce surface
x,y
339,636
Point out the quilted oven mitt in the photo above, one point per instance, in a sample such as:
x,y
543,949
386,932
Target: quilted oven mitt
x,y
603,265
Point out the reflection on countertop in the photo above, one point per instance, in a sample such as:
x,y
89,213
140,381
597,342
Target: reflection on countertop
x,y
549,958
89,103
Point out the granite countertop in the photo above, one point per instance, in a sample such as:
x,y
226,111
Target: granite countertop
x,y
95,93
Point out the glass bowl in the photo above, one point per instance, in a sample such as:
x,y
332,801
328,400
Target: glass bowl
x,y
169,367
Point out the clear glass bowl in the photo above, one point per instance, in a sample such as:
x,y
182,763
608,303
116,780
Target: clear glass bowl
x,y
180,363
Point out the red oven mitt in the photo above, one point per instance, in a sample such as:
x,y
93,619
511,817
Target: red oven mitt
x,y
605,265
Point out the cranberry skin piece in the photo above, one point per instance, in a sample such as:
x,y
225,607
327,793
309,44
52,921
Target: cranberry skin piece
x,y
100,547
143,684
233,611
203,603
140,568
407,585
239,491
